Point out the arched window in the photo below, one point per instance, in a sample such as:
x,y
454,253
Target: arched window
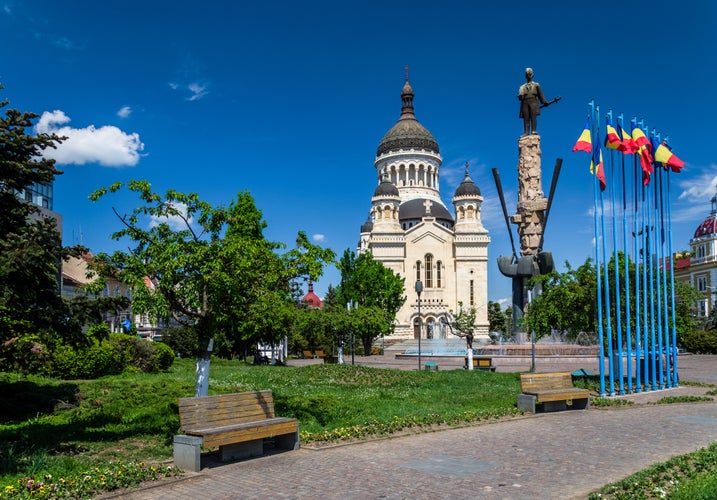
x,y
439,264
429,270
418,270
471,294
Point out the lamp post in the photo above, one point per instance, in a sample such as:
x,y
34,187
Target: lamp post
x,y
352,305
419,289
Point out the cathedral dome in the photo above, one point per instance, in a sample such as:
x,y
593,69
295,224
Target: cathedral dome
x,y
407,133
709,225
415,210
386,188
367,226
467,187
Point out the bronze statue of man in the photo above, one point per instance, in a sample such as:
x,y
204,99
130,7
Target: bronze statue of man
x,y
531,97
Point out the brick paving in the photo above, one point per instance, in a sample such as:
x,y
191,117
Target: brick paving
x,y
562,455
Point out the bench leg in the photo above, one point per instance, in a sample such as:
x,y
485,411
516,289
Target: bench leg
x,y
526,402
254,448
581,404
187,452
554,406
288,441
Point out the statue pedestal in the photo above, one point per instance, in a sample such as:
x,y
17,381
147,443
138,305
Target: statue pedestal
x,y
531,199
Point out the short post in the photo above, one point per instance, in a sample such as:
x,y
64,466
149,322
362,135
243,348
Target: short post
x,y
419,289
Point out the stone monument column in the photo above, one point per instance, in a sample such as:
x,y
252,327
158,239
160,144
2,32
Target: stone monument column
x,y
532,203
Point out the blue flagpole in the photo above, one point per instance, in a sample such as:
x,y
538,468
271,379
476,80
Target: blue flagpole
x,y
637,232
605,274
618,312
651,289
676,378
658,278
664,333
628,339
645,317
601,358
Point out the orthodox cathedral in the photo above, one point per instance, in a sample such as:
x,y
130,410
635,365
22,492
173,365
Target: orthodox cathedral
x,y
411,231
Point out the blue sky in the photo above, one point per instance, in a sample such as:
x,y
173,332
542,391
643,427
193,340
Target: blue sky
x,y
289,101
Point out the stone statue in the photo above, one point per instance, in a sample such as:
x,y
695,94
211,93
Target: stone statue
x,y
531,100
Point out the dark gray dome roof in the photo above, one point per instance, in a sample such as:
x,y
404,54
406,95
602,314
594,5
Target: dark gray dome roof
x,y
416,209
407,133
367,226
386,188
467,187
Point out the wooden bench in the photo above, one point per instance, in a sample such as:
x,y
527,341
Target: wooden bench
x,y
313,355
484,363
236,423
553,390
431,365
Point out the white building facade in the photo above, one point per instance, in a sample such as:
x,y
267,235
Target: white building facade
x,y
411,231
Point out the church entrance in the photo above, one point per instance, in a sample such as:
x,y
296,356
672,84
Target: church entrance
x,y
416,328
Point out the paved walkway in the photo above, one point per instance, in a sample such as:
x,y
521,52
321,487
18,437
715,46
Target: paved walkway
x,y
562,455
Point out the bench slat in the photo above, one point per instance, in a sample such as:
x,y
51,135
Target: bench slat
x,y
225,409
246,432
551,386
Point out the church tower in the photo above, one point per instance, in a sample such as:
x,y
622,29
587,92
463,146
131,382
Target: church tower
x,y
411,231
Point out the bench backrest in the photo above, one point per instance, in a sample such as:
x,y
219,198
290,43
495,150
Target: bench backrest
x,y
531,382
225,409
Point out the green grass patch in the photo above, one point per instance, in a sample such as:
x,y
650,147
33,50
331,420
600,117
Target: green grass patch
x,y
682,399
60,432
687,477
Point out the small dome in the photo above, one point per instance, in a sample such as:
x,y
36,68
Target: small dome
x,y
709,225
367,226
311,299
407,133
386,188
467,187
419,208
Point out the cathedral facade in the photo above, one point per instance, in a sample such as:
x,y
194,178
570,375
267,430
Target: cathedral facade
x,y
411,231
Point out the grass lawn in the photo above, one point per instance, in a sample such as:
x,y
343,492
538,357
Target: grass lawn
x,y
76,439
116,431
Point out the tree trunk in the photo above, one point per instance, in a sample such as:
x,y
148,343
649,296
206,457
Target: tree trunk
x,y
202,379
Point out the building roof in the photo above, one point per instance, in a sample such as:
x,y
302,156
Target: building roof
x,y
420,207
386,188
467,187
708,227
311,299
407,133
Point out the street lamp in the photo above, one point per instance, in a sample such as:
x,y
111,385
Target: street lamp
x,y
419,289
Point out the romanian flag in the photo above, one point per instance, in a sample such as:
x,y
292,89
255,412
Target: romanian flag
x,y
612,140
639,137
627,145
597,166
584,142
664,155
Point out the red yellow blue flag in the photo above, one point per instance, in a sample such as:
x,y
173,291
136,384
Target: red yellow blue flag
x,y
597,167
584,142
667,158
627,145
612,139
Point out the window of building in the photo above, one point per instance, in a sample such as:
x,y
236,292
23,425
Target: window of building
x,y
429,270
439,264
418,270
701,283
471,294
702,307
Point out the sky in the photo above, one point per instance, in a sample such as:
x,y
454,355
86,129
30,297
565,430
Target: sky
x,y
289,101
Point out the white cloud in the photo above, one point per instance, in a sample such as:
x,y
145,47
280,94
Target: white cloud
x,y
124,112
701,188
108,145
196,90
176,222
319,238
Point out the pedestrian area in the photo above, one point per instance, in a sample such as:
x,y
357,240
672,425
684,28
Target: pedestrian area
x,y
562,455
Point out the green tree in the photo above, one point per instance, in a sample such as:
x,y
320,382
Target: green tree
x,y
496,318
367,283
463,324
31,248
216,271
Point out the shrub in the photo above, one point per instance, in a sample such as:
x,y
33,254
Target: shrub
x,y
700,341
163,356
87,362
24,354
